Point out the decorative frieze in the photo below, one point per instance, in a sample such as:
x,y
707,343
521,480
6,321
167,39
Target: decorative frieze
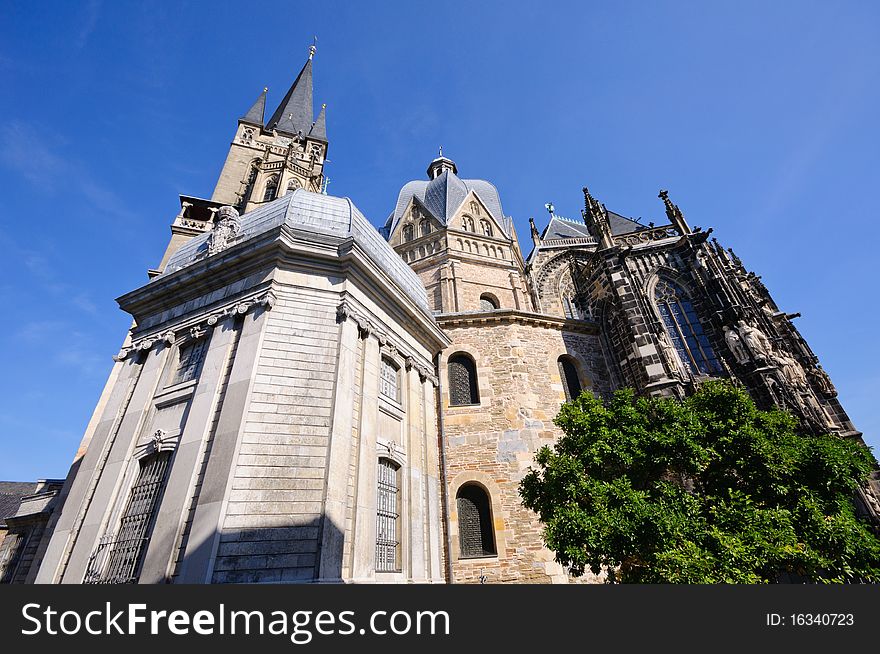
x,y
198,328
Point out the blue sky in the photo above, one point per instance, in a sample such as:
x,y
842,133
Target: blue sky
x,y
760,118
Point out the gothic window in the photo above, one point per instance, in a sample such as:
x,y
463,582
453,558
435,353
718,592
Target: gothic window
x,y
488,302
316,150
567,293
249,183
462,380
467,224
189,361
408,232
571,383
684,328
388,380
387,514
247,135
292,185
486,228
476,537
424,228
119,562
271,191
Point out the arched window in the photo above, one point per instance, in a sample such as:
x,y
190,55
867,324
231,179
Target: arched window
x,y
407,232
571,383
488,302
292,185
684,328
467,224
387,514
486,228
271,191
462,380
424,228
476,537
388,380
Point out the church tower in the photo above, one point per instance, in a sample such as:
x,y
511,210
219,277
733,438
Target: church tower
x,y
266,159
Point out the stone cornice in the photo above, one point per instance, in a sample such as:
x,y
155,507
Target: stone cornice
x,y
347,310
511,316
198,327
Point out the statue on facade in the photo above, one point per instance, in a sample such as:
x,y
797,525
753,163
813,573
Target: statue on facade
x,y
227,224
754,339
669,352
734,342
822,381
792,371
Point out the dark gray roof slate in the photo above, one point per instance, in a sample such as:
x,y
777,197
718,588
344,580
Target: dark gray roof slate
x,y
443,195
295,112
257,111
319,129
11,493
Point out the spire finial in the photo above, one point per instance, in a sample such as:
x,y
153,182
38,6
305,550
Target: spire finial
x,y
676,217
440,151
313,47
265,89
550,208
536,235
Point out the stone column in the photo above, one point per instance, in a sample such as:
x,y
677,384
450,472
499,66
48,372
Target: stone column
x,y
107,477
416,570
456,291
184,471
514,285
85,471
336,497
207,520
433,516
363,564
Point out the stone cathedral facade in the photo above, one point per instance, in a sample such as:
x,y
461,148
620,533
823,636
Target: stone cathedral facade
x,y
303,397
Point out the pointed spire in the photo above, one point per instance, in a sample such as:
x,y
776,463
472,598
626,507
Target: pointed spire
x,y
256,113
295,112
536,236
676,217
319,128
596,219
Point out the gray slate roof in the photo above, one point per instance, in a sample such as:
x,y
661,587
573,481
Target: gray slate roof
x,y
257,111
11,493
295,112
317,214
560,227
319,129
443,195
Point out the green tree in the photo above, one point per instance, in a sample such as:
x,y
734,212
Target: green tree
x,y
705,490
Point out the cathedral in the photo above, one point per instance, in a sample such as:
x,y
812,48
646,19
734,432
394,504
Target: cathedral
x,y
306,398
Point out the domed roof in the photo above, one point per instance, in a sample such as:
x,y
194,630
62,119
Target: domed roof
x,y
442,197
317,214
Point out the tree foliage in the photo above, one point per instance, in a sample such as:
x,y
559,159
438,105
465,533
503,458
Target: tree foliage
x,y
705,490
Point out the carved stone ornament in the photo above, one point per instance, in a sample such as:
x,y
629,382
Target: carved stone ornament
x,y
735,344
669,352
822,381
227,224
755,340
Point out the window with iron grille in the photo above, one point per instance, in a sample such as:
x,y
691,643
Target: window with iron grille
x,y
387,514
271,191
684,329
118,557
571,383
476,537
190,361
388,385
462,380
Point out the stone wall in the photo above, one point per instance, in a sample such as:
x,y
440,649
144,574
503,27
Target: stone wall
x,y
493,443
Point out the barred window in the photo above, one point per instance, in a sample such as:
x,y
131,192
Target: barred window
x,y
118,557
488,302
684,328
462,380
271,191
387,514
388,380
571,383
476,537
190,361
